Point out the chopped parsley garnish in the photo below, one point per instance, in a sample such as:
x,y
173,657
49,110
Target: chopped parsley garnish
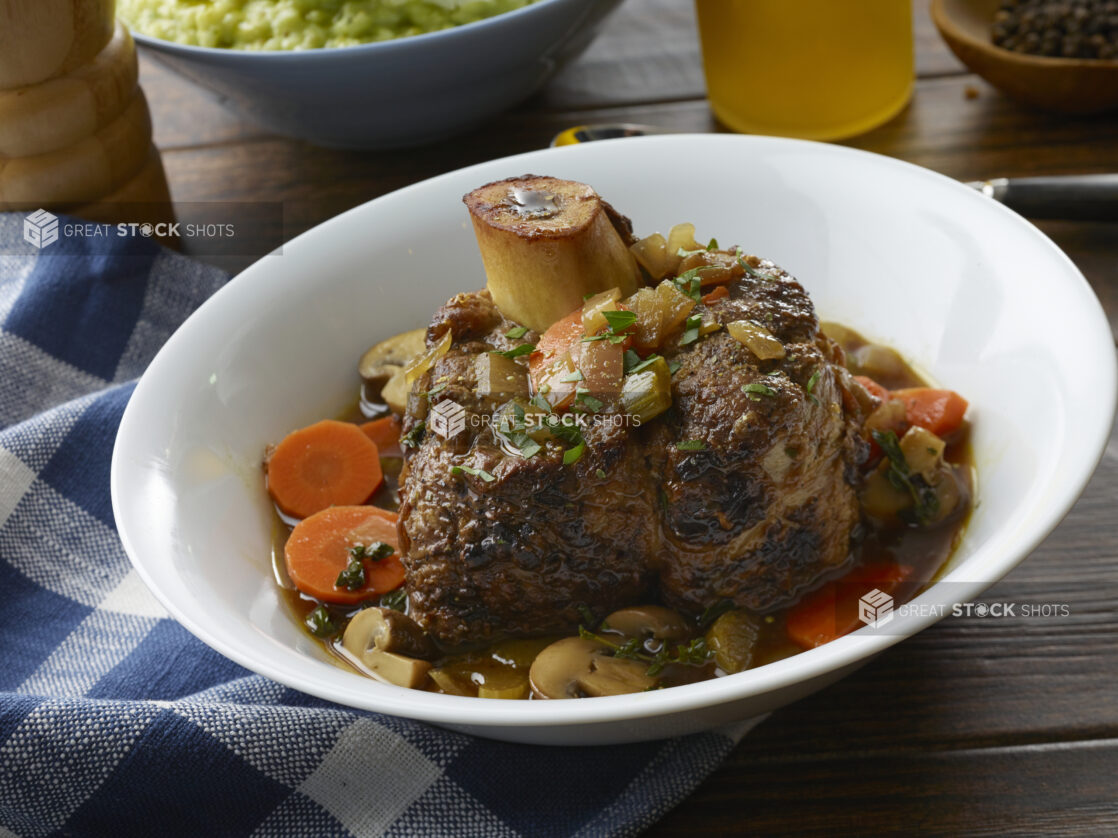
x,y
374,552
691,445
755,389
713,612
811,382
583,397
631,359
691,329
569,434
573,455
689,284
712,245
601,472
516,433
587,615
473,472
353,577
397,600
516,351
673,366
640,366
749,269
574,376
695,653
925,503
516,332
436,390
321,623
415,436
619,321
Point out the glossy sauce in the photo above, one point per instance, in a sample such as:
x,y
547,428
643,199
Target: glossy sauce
x,y
499,666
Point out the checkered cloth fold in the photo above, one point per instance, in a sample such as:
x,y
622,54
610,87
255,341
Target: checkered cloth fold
x,y
115,721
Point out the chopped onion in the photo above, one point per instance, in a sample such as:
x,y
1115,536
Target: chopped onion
x,y
756,338
424,362
682,237
652,254
593,321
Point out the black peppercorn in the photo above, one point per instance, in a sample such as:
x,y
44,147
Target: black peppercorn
x,y
1058,28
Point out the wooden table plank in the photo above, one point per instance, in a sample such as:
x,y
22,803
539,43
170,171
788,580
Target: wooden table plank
x,y
1060,789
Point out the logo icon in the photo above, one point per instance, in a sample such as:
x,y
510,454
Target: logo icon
x,y
447,419
875,608
40,229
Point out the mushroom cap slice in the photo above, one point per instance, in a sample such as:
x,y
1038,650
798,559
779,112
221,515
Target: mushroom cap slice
x,y
643,621
384,364
375,637
576,666
386,630
397,669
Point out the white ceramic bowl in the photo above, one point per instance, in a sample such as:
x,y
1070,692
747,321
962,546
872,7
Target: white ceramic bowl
x,y
972,292
395,93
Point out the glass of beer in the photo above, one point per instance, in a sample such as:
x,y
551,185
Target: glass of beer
x,y
815,69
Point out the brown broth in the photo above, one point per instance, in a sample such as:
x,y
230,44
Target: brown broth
x,y
503,667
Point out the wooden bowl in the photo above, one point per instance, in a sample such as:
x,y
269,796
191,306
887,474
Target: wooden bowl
x,y
1067,85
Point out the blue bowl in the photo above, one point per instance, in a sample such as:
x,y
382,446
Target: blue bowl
x,y
393,94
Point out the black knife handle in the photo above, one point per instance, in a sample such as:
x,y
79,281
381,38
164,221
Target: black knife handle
x,y
1073,197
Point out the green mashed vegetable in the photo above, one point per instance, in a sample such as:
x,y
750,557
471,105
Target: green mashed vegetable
x,y
300,24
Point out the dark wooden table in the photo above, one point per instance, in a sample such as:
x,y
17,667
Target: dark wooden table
x,y
987,727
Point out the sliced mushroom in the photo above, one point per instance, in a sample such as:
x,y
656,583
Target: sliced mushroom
x,y
395,392
389,631
397,669
388,358
376,637
644,621
576,666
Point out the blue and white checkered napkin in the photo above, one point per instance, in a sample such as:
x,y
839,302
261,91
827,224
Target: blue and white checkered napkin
x,y
115,721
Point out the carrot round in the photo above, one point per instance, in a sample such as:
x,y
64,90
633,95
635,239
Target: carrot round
x,y
386,434
717,294
326,464
318,550
832,611
872,387
561,336
939,411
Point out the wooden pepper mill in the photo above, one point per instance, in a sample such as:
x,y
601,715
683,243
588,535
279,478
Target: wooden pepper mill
x,y
75,132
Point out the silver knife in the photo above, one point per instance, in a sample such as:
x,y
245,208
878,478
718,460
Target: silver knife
x,y
1071,197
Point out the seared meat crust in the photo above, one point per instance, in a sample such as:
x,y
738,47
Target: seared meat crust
x,y
517,555
758,515
767,504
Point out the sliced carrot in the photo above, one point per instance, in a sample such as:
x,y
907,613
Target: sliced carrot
x,y
386,434
940,411
561,336
717,294
872,387
319,549
329,463
832,611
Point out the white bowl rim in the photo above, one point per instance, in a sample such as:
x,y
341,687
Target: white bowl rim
x,y
354,49
805,666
